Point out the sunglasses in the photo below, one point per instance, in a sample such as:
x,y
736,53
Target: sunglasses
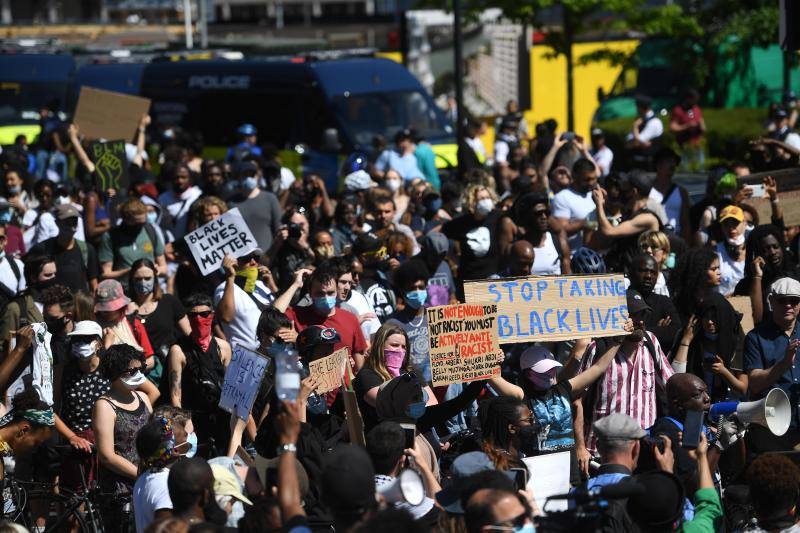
x,y
131,372
543,212
788,300
248,258
204,314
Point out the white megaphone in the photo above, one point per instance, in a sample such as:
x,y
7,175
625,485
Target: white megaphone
x,y
407,487
774,411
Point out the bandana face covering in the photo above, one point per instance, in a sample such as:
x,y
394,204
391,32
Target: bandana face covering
x,y
250,276
201,330
394,360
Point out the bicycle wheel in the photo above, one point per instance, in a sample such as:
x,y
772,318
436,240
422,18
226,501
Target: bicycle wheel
x,y
59,512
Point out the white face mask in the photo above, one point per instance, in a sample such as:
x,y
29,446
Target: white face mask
x,y
134,381
84,350
393,185
738,241
484,206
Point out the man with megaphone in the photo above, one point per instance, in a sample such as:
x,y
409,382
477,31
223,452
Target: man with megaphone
x,y
770,360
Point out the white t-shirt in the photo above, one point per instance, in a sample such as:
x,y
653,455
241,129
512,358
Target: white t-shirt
x,y
501,150
150,493
730,271
654,128
44,229
793,140
242,329
570,205
361,305
7,276
603,157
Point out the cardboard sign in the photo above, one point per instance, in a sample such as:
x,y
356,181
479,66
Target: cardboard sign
x,y
548,475
111,164
329,370
242,380
228,235
553,308
743,305
463,343
108,115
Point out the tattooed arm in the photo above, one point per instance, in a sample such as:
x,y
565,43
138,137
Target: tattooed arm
x,y
176,360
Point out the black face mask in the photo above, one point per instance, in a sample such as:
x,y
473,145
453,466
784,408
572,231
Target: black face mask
x,y
56,325
134,229
42,285
528,438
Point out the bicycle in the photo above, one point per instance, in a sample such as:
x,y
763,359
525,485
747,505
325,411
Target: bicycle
x,y
29,503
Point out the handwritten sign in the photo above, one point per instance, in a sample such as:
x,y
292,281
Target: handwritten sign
x,y
111,164
463,343
548,475
109,115
329,370
551,308
228,235
242,380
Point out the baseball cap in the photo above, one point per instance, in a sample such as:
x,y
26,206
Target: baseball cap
x,y
463,467
314,336
367,242
785,287
661,502
86,328
597,132
359,180
636,302
538,359
226,484
618,426
348,481
109,296
64,211
436,242
731,211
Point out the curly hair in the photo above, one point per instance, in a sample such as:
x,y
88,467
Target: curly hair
x,y
27,399
688,281
206,202
471,196
117,359
774,485
60,295
131,207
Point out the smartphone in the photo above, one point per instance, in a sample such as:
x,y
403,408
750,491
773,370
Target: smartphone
x,y
759,190
692,428
520,478
410,437
654,442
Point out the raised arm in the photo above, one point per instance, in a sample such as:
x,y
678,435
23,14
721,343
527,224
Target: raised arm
x,y
176,360
80,153
226,308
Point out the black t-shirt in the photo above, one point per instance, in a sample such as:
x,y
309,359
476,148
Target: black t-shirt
x,y
378,291
480,253
367,379
162,324
71,271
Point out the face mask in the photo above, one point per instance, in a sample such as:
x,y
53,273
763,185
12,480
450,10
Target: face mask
x,y
738,241
55,325
670,263
323,252
191,438
84,350
44,284
201,330
433,206
541,381
528,437
250,276
711,336
144,286
15,190
527,528
485,206
63,200
415,410
393,185
416,299
394,361
133,381
152,217
324,304
5,217
249,183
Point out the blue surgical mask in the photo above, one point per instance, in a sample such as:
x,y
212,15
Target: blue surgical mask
x,y
249,183
711,336
5,217
191,438
527,528
433,206
144,286
324,304
670,263
416,299
415,410
152,217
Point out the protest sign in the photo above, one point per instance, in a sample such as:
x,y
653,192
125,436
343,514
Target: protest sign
x,y
329,370
111,164
228,235
463,343
743,305
552,308
108,115
548,475
242,380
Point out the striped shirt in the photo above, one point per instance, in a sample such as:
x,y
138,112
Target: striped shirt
x,y
628,386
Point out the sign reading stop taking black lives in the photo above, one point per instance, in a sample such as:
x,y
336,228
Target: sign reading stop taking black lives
x,y
553,308
110,164
228,235
242,380
463,343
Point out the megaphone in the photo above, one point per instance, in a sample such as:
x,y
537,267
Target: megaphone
x,y
774,411
407,487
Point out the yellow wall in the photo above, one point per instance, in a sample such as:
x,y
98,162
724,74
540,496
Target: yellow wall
x,y
549,84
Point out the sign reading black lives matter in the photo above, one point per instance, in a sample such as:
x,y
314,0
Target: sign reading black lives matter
x,y
111,164
228,235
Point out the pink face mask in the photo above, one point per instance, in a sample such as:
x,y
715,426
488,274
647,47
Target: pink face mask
x,y
541,381
394,361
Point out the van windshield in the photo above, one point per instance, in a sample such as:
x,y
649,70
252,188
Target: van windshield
x,y
365,115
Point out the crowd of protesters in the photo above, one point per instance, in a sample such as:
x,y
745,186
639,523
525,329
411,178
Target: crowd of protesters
x,y
140,340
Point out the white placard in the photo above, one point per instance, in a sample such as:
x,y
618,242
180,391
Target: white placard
x,y
228,235
40,373
548,475
242,380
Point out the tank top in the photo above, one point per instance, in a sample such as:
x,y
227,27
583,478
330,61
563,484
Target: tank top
x,y
126,426
203,376
546,260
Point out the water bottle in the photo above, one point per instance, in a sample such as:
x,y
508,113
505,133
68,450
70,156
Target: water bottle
x,y
287,374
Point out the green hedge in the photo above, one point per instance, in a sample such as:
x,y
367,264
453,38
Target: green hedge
x,y
728,133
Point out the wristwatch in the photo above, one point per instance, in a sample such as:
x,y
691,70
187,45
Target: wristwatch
x,y
290,448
